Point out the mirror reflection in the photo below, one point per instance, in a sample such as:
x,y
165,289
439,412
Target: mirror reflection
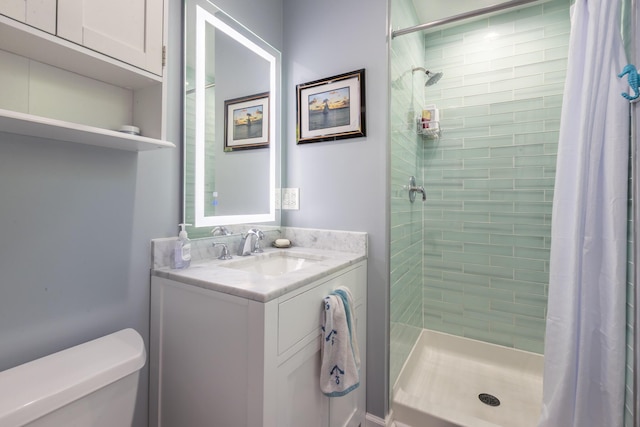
x,y
231,121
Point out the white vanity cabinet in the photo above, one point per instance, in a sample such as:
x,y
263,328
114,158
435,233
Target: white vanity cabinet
x,y
222,360
37,13
97,66
128,30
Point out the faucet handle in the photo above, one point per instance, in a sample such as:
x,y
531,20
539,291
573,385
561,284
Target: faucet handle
x,y
220,230
224,253
259,236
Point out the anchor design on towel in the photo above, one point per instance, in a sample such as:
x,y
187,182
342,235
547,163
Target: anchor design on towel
x,y
340,372
331,336
634,81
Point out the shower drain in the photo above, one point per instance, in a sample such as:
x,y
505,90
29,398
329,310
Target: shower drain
x,y
489,399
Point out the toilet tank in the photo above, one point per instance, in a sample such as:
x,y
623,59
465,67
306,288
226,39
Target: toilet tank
x,y
91,384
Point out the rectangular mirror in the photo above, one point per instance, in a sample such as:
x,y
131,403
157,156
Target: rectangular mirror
x,y
231,121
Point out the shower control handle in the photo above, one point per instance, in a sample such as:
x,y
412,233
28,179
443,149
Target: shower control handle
x,y
413,189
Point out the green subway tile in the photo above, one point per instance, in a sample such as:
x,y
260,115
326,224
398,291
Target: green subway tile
x,y
518,150
465,236
518,218
489,271
526,127
492,249
556,53
461,278
542,90
489,293
536,138
487,77
488,120
492,316
466,323
470,217
442,245
537,115
518,286
490,184
517,60
512,262
466,258
521,241
466,195
489,162
515,106
467,301
533,300
534,183
488,141
555,77
442,307
489,98
551,148
464,112
552,125
442,224
488,227
441,285
535,253
533,207
532,230
530,323
466,153
432,294
528,81
465,174
490,206
532,276
517,331
518,196
433,203
521,309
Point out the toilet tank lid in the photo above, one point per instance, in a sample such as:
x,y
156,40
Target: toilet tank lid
x,y
36,388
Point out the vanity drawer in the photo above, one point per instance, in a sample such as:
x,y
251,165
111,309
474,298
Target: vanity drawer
x,y
302,314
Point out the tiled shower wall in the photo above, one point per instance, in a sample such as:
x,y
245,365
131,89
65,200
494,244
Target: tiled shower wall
x,y
490,177
406,218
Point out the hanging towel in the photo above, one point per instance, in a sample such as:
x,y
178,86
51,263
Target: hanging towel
x,y
340,367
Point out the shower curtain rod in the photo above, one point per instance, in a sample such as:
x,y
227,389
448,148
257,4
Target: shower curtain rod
x,y
460,17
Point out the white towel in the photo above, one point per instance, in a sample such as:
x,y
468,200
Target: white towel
x,y
340,367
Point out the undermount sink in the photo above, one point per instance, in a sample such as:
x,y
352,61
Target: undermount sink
x,y
274,264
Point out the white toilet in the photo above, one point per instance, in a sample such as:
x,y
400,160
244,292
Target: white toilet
x,y
93,384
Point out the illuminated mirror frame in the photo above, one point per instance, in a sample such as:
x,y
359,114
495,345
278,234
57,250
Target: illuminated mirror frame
x,y
203,17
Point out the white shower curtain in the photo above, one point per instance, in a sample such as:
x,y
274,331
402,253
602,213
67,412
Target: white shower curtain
x,y
584,374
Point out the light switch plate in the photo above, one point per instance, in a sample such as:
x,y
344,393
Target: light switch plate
x,y
291,198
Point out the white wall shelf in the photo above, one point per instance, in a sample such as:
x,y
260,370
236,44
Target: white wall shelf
x,y
42,127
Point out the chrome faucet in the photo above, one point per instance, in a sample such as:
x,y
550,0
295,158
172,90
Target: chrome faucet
x,y
224,253
247,246
220,230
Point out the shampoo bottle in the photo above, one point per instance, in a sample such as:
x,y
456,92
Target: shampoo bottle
x,y
181,256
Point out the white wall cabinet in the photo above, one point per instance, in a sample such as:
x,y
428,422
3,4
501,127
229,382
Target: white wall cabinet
x,y
128,30
58,89
37,13
218,359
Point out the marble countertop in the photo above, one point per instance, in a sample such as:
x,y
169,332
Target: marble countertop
x,y
218,275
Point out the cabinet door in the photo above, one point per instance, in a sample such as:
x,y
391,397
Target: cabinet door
x,y
300,401
128,30
37,13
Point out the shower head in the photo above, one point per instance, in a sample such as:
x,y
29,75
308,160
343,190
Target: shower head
x,y
432,78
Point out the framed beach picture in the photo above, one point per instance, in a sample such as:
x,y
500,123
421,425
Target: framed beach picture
x,y
331,108
246,122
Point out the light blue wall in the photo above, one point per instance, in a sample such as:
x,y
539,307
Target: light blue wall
x,y
77,221
343,184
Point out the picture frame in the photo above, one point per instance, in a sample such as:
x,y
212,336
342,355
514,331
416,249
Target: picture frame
x,y
246,122
332,108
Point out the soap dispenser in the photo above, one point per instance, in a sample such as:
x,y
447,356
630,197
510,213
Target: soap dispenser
x,y
181,256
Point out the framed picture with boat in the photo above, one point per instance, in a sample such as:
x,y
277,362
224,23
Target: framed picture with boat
x,y
332,108
246,122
